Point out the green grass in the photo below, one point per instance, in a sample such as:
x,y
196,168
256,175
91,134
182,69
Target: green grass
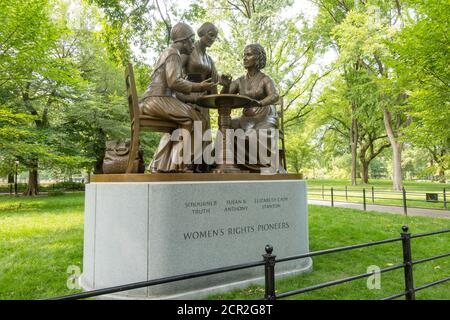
x,y
339,227
41,237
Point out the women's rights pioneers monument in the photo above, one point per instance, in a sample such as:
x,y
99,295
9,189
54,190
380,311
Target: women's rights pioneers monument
x,y
184,73
171,222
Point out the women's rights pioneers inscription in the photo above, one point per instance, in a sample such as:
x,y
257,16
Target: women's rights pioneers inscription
x,y
236,230
238,206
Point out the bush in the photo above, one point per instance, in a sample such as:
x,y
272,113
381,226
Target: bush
x,y
66,186
62,186
55,193
5,188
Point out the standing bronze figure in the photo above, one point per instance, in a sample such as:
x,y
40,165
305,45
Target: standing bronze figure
x,y
260,87
199,66
159,100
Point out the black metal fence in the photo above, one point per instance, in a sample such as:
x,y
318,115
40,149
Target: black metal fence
x,y
370,195
63,186
269,262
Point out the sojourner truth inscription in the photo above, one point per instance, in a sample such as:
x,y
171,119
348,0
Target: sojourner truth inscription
x,y
235,205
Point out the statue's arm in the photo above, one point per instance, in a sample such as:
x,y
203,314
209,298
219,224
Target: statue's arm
x,y
174,77
214,77
186,98
233,88
272,93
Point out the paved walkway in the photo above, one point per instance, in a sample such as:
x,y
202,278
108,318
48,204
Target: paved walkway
x,y
388,209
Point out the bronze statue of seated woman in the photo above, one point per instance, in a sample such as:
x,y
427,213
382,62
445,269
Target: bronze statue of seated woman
x,y
260,87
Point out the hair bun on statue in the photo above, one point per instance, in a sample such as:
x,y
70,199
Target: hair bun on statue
x,y
205,27
259,50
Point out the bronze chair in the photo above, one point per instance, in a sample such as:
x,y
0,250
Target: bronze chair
x,y
280,124
138,120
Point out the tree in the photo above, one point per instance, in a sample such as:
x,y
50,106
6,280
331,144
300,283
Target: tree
x,y
360,34
421,60
49,74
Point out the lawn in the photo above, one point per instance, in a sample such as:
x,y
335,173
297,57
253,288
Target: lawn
x,y
41,237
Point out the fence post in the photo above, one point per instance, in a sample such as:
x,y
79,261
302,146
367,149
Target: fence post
x,y
364,198
332,197
445,200
373,195
405,209
269,273
346,197
407,260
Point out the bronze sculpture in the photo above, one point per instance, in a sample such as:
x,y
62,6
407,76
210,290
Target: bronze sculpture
x,y
260,87
159,100
116,157
199,66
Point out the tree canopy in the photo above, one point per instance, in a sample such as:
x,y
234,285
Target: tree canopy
x,y
364,83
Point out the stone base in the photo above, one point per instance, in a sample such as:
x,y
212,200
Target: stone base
x,y
149,230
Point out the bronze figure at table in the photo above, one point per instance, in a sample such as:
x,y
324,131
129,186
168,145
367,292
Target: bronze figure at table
x,y
159,100
197,67
260,87
184,74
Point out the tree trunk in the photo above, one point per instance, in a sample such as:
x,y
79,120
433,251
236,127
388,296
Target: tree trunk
x,y
441,175
397,178
98,169
354,148
365,170
32,188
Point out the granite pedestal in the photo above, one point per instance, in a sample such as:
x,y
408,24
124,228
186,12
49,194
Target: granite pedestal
x,y
142,228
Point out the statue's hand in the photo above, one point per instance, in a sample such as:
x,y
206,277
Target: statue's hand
x,y
256,104
225,80
198,96
207,85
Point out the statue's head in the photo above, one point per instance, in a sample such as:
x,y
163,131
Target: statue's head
x,y
208,33
183,33
254,56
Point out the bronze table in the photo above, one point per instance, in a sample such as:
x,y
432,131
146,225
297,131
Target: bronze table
x,y
224,103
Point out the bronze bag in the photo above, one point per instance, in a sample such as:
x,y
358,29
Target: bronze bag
x,y
116,158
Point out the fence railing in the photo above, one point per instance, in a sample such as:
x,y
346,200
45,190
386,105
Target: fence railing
x,y
367,196
269,262
67,186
